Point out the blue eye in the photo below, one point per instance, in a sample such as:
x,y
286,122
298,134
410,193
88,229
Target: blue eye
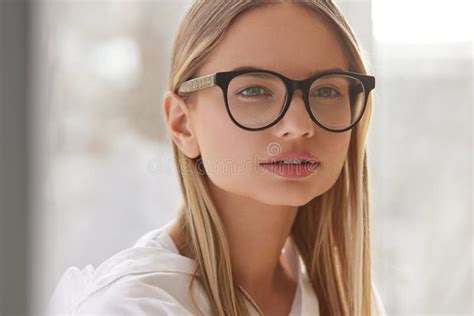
x,y
326,92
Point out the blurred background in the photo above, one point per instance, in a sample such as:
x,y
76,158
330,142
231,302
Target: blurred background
x,y
83,135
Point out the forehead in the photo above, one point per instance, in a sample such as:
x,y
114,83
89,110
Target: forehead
x,y
285,38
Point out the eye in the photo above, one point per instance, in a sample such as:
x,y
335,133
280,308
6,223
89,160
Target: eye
x,y
326,92
252,92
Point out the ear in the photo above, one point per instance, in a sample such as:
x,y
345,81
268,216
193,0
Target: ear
x,y
178,120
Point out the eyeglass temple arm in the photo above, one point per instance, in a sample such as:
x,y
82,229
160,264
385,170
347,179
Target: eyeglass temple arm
x,y
197,84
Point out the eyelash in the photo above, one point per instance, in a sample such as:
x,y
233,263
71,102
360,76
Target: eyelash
x,y
249,88
333,89
240,93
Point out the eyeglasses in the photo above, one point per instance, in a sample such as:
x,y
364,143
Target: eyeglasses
x,y
257,99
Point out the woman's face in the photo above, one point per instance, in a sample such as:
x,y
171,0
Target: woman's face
x,y
289,40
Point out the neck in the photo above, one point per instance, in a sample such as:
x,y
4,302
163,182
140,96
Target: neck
x,y
256,234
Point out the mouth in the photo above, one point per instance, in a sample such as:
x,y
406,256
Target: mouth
x,y
290,162
294,157
292,169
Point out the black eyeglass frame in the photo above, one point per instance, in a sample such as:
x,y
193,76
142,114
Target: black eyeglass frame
x,y
222,79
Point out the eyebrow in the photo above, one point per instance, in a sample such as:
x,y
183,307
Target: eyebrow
x,y
316,72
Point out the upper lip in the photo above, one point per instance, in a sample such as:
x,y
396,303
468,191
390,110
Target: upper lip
x,y
300,155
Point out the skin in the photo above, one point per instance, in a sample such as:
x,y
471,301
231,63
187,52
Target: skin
x,y
258,208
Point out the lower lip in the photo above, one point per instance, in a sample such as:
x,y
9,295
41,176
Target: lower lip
x,y
292,171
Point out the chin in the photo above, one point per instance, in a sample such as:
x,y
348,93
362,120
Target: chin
x,y
287,199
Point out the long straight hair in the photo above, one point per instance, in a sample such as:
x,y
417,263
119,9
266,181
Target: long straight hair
x,y
331,232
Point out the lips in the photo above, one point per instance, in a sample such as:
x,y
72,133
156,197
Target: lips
x,y
303,156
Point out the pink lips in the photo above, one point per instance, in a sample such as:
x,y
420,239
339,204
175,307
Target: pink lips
x,y
300,155
292,170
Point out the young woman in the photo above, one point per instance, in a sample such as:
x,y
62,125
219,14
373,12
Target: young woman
x,y
268,109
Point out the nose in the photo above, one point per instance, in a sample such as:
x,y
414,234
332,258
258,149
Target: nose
x,y
296,122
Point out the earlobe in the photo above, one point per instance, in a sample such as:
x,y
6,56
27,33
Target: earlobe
x,y
178,121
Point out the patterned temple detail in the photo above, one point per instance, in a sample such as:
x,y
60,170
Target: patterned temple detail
x,y
197,83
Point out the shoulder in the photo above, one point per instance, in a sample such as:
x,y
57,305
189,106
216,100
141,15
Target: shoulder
x,y
148,278
148,294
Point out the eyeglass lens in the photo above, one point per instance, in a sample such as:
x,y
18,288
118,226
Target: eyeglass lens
x,y
256,99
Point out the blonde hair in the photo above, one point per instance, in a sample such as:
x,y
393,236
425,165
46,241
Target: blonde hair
x,y
331,232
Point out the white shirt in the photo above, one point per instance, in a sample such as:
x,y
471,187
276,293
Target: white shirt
x,y
151,278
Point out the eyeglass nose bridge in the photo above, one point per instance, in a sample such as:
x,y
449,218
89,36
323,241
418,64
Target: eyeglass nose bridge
x,y
297,84
292,86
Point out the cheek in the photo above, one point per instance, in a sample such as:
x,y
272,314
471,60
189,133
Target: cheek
x,y
225,148
333,148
